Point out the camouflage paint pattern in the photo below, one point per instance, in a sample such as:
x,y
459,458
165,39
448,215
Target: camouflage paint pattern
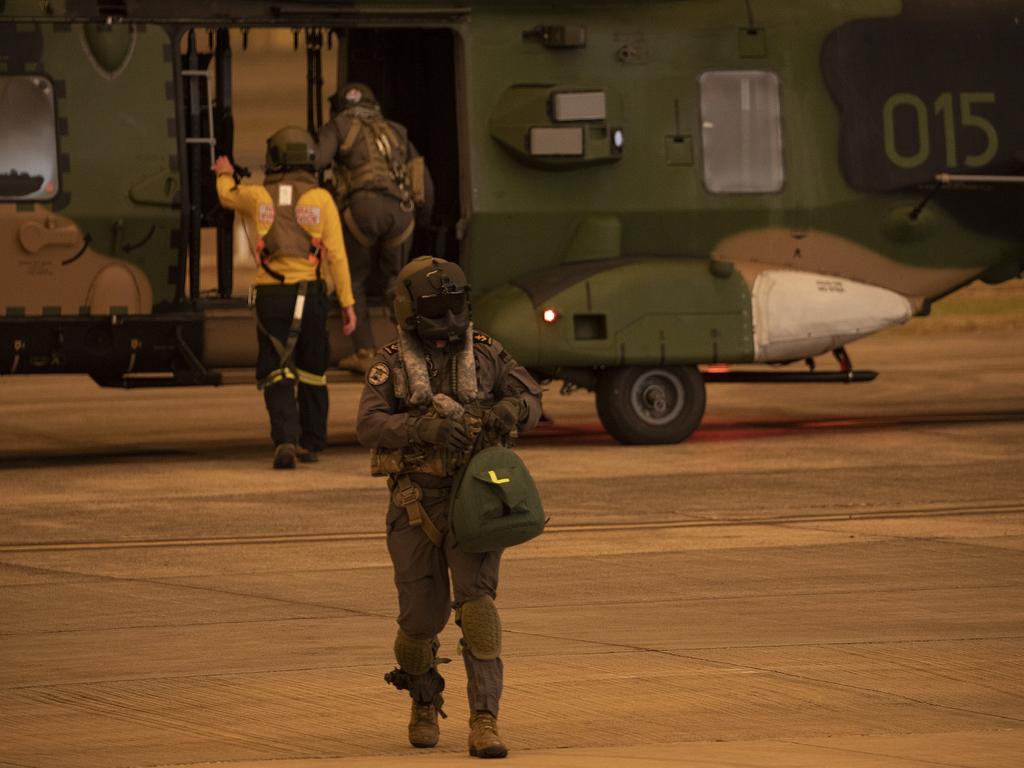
x,y
107,243
875,96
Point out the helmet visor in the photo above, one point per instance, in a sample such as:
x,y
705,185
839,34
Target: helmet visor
x,y
440,304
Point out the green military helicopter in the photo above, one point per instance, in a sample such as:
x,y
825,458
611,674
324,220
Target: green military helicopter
x,y
636,189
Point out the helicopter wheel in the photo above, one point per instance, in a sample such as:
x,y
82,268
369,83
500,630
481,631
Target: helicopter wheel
x,y
651,405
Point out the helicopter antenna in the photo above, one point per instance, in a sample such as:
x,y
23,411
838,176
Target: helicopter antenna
x,y
934,187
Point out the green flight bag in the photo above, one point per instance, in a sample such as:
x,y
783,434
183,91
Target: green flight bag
x,y
495,503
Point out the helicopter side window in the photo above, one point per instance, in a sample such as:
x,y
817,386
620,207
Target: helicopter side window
x,y
29,168
741,131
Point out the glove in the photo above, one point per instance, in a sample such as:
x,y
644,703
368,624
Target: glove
x,y
505,415
223,166
446,433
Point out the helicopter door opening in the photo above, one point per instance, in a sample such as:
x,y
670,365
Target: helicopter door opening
x,y
241,85
412,74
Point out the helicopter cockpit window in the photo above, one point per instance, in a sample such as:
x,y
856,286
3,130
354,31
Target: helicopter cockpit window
x,y
29,167
741,130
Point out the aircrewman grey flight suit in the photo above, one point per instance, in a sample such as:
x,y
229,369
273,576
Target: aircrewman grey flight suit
x,y
421,568
376,212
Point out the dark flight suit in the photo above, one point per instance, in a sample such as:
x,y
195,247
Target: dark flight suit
x,y
300,416
421,568
376,212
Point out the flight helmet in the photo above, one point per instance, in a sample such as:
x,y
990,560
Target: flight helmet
x,y
432,299
290,148
353,95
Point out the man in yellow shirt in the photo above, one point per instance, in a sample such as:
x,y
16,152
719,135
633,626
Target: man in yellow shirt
x,y
294,230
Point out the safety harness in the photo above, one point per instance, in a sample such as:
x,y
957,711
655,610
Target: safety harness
x,y
287,370
352,227
382,171
314,254
286,235
380,140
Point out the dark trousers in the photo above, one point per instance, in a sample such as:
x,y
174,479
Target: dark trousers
x,y
425,599
380,224
300,419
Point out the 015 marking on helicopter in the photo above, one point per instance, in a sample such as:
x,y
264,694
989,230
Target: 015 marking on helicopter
x,y
633,201
944,107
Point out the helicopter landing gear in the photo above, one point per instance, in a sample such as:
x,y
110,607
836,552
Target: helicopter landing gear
x,y
639,405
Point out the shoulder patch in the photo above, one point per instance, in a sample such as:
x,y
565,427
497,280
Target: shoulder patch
x,y
378,374
482,338
307,215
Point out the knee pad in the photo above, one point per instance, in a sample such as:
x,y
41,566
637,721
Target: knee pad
x,y
414,656
481,627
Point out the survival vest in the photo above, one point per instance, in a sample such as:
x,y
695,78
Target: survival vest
x,y
431,459
374,155
286,235
493,497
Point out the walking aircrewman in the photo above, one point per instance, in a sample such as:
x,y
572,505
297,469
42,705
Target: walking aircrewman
x,y
294,228
431,399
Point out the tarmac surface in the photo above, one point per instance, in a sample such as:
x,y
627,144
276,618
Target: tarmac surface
x,y
823,575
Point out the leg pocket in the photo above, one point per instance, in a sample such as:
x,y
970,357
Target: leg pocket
x,y
421,576
413,555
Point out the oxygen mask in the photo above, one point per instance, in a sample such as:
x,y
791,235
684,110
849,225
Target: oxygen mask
x,y
443,316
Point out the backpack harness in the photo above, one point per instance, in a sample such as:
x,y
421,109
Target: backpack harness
x,y
285,238
380,139
314,255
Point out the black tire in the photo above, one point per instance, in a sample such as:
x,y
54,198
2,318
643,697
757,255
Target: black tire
x,y
651,405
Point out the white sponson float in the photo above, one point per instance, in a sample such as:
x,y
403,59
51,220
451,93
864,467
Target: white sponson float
x,y
802,314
